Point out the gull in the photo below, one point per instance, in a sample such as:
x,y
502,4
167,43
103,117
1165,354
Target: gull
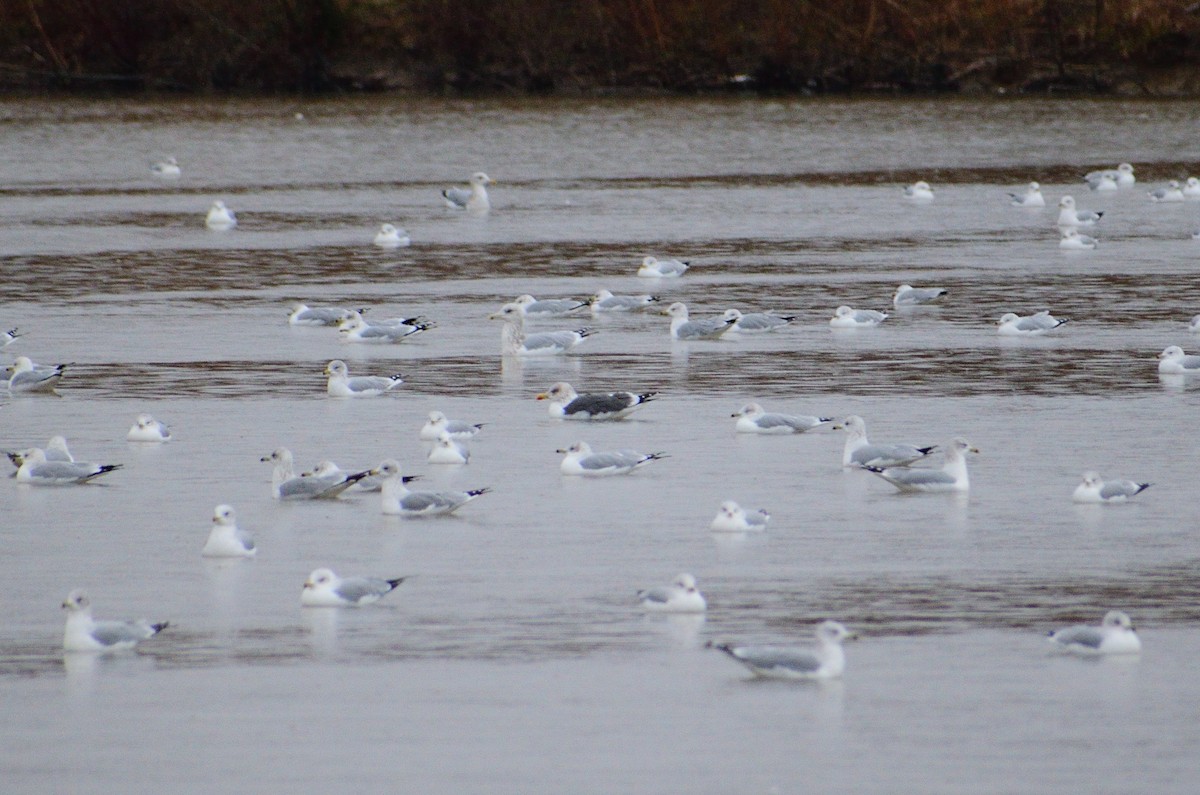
x,y
341,384
147,429
580,460
166,169
907,295
919,192
9,337
733,518
1115,635
29,377
38,470
680,596
1173,360
226,539
1122,175
1032,197
1105,182
1171,193
285,485
304,315
448,451
1069,216
567,404
825,661
458,429
707,329
1094,489
757,322
1191,188
398,500
56,450
323,588
391,236
752,418
1194,324
848,317
1073,241
220,217
84,633
547,307
605,301
1013,325
474,198
372,482
654,268
514,342
861,453
951,477
355,329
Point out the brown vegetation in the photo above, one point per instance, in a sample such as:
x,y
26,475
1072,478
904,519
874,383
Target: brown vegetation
x,y
592,45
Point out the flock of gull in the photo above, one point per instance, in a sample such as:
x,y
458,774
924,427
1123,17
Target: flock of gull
x,y
896,463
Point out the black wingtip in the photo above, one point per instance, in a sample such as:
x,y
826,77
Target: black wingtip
x,y
584,332
1100,214
478,492
409,478
357,476
927,450
872,468
646,397
160,626
1142,487
396,581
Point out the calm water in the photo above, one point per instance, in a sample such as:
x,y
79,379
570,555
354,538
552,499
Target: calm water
x,y
514,660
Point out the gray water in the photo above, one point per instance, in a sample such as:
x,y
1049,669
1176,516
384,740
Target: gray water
x,y
514,659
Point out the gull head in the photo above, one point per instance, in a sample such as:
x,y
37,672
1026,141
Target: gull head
x,y
833,632
1117,619
224,515
561,391
1067,202
77,601
854,424
389,468
960,446
685,581
319,579
1092,480
748,410
730,509
1171,352
579,448
509,313
336,367
677,309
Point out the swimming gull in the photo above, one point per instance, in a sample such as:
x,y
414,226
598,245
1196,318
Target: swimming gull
x,y
514,341
680,596
166,169
372,482
752,418
226,539
446,450
9,337
147,429
1194,324
55,450
919,192
825,661
36,469
1122,175
547,307
757,322
566,403
29,377
1174,360
654,268
220,217
475,198
323,588
1032,197
356,329
580,460
84,633
398,500
391,236
341,384
861,453
684,329
848,317
733,518
1191,188
1071,240
1069,216
605,301
1115,635
951,477
907,295
458,429
1013,325
304,315
1171,193
286,485
1095,489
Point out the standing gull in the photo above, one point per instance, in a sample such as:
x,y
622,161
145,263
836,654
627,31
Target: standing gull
x,y
684,329
952,477
566,403
514,341
653,268
147,429
398,500
680,596
1094,489
1115,635
861,453
323,588
226,539
1013,325
341,384
457,429
825,661
84,633
580,460
733,518
752,418
220,217
1032,197
474,199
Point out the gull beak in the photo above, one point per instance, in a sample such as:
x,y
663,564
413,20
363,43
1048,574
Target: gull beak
x,y
736,414
495,316
564,452
972,449
265,458
543,396
309,584
838,427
